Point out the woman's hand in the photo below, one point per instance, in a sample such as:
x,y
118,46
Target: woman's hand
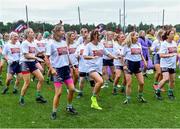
x,y
53,71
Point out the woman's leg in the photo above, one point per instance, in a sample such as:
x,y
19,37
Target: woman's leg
x,y
171,85
128,87
26,78
70,84
56,99
98,83
140,79
39,98
116,80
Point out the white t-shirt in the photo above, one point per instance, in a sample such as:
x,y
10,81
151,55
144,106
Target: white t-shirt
x,y
95,50
133,53
117,51
73,57
168,48
156,46
79,40
58,52
109,47
27,47
82,62
12,51
41,45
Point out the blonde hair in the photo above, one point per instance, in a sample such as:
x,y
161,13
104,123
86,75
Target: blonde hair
x,y
128,41
141,31
26,32
12,34
109,33
68,36
57,28
159,34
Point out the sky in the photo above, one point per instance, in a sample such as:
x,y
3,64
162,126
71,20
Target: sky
x,y
91,11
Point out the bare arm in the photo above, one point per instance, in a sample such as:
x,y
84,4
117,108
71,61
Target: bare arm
x,y
166,55
90,57
47,62
29,56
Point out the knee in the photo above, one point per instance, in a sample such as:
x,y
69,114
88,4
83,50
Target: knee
x,y
141,83
57,95
41,79
166,79
117,75
172,81
100,82
27,83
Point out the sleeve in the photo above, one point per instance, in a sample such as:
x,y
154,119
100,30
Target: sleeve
x,y
149,43
86,51
116,51
5,50
124,50
77,52
163,48
48,49
37,48
153,47
105,51
24,48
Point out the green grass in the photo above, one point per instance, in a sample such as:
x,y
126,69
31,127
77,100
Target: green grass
x,y
154,114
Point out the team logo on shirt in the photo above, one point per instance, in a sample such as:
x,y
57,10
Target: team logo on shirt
x,y
172,49
32,50
40,45
135,51
62,51
81,51
15,50
98,53
72,50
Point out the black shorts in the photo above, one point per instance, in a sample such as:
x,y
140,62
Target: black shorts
x,y
63,74
83,74
108,62
28,66
95,71
133,67
169,70
14,68
119,67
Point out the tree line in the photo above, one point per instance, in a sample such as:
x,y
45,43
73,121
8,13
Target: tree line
x,y
112,26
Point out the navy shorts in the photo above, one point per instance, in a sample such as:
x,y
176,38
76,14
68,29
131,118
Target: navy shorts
x,y
119,67
156,59
28,66
133,67
108,62
63,74
83,74
41,57
169,70
14,68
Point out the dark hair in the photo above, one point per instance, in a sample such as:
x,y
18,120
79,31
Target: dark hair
x,y
149,30
93,33
166,34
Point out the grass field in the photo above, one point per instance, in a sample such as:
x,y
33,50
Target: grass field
x,y
154,114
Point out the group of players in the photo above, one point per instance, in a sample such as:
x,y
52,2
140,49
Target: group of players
x,y
98,56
